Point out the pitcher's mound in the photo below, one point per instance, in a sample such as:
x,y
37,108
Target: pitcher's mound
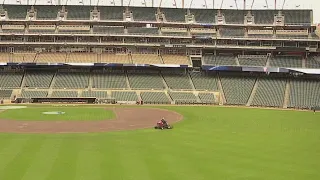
x,y
126,119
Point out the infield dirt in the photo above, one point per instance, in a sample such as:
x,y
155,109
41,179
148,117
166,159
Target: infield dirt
x,y
126,119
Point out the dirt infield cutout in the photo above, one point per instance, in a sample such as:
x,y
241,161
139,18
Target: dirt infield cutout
x,y
126,119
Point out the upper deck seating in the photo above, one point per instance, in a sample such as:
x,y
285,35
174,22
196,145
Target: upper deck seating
x,y
115,58
45,12
175,59
220,60
108,29
78,12
252,61
264,16
52,57
144,13
146,59
174,14
231,32
111,13
82,57
24,57
204,15
286,61
17,11
143,30
302,17
233,16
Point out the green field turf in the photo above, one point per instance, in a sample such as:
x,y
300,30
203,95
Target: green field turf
x,y
211,143
70,114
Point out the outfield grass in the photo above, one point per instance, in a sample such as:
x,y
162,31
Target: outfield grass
x,y
211,143
79,113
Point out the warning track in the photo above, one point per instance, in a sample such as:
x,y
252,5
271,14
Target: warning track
x,y
126,119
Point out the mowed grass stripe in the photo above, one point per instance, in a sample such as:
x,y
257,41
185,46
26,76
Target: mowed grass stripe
x,y
41,166
22,159
9,149
64,166
110,164
89,157
130,155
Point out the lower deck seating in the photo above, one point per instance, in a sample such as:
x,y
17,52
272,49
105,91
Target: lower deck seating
x,y
74,80
33,94
145,80
177,80
5,94
208,98
38,79
95,94
154,98
109,80
313,62
270,92
10,80
183,97
304,93
204,81
64,94
124,95
237,89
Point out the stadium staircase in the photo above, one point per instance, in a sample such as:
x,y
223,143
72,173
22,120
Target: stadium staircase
x,y
237,61
253,92
168,96
161,59
127,80
90,81
287,95
223,97
303,62
268,61
196,93
23,82
191,82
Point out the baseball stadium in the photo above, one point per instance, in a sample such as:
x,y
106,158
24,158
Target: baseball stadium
x,y
159,90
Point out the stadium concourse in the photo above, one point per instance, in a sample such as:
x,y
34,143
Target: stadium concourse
x,y
159,55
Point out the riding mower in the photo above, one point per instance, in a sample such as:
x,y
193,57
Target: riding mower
x,y
163,126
